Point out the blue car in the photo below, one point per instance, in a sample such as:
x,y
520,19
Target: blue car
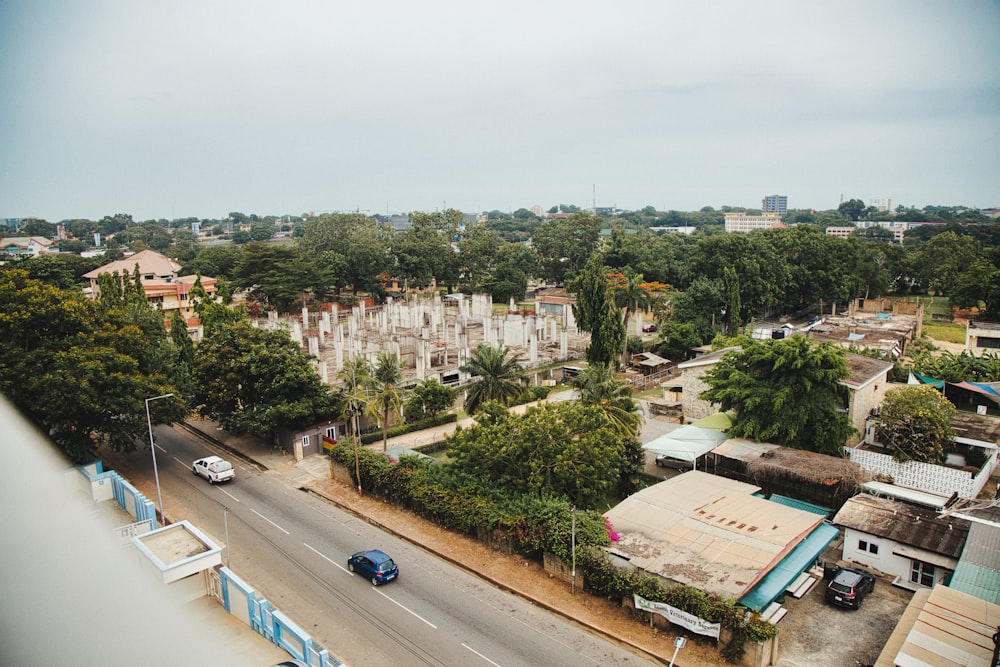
x,y
373,564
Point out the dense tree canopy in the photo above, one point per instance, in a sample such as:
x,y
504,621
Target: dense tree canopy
x,y
914,423
562,449
80,369
787,392
257,380
429,399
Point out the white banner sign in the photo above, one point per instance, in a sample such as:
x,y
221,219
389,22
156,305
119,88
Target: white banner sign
x,y
681,618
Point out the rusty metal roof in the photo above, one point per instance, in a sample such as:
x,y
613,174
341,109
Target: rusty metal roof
x,y
707,531
913,525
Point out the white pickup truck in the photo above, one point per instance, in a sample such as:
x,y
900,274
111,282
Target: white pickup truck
x,y
214,469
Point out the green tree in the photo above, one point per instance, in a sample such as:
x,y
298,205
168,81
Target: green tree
x,y
387,396
632,294
596,312
596,386
423,251
507,282
478,251
498,376
852,209
677,340
356,390
258,380
561,449
564,245
78,369
37,227
945,257
914,423
278,275
261,231
787,392
429,399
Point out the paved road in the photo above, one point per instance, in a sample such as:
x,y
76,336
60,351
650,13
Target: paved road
x,y
293,548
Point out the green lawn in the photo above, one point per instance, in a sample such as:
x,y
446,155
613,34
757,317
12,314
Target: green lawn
x,y
948,332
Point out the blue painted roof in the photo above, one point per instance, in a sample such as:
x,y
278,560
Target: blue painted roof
x,y
801,505
791,566
978,570
976,580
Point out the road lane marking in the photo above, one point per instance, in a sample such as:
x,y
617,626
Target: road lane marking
x,y
270,522
404,608
330,560
467,647
229,494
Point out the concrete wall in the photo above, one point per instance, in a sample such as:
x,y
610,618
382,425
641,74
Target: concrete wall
x,y
928,477
691,388
862,402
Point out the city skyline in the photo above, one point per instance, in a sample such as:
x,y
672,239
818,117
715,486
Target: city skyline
x,y
189,109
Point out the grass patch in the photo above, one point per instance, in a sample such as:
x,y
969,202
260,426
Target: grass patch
x,y
936,305
948,332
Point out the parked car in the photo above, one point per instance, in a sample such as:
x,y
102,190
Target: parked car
x,y
649,328
374,565
667,461
214,469
849,587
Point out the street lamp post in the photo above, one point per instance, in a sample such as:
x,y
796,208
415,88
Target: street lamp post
x,y
152,448
573,549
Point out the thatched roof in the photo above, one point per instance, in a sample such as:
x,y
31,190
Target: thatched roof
x,y
800,465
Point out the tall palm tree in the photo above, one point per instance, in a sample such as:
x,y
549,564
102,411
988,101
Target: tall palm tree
x,y
357,378
596,386
632,295
387,396
499,376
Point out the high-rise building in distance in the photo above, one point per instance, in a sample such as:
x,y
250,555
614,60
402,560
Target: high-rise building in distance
x,y
774,204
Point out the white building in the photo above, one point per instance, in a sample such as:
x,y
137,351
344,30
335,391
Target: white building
x,y
746,222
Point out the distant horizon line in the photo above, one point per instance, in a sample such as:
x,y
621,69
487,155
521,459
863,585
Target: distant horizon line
x,y
369,212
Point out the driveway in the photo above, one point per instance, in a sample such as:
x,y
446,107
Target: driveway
x,y
816,633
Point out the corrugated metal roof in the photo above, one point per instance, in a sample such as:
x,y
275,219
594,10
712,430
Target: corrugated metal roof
x,y
977,581
916,526
777,580
707,531
978,570
743,449
903,493
951,628
800,504
982,546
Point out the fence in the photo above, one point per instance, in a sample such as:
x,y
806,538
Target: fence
x,y
641,383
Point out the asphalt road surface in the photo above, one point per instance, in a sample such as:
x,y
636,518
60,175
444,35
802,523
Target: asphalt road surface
x,y
294,547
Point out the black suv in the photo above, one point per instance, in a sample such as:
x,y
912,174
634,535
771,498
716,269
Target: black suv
x,y
849,587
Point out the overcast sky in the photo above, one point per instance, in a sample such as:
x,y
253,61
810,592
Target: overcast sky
x,y
177,108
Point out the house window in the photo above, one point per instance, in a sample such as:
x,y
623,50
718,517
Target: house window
x,y
921,573
331,432
870,547
305,441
